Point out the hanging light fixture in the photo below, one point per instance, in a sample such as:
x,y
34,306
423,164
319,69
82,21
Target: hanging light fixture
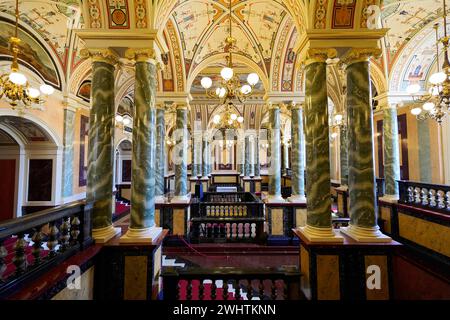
x,y
14,85
230,86
228,119
435,103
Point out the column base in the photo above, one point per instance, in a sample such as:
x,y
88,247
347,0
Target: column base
x,y
160,199
391,198
368,235
181,199
105,234
147,235
327,235
274,198
297,199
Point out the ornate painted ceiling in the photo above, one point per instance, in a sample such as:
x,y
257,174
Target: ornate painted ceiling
x,y
267,32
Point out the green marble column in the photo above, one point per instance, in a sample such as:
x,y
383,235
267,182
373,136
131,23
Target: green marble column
x,y
193,164
361,177
69,134
247,167
256,166
317,147
143,164
275,154
205,166
391,151
101,146
160,151
181,149
344,156
297,155
197,141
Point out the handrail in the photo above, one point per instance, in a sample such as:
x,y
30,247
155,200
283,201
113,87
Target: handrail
x,y
27,222
263,283
425,195
56,234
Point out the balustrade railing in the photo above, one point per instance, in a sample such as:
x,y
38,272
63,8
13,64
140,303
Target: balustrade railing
x,y
429,196
32,244
227,217
230,283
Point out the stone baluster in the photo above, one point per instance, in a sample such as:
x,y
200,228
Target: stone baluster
x,y
75,231
37,245
3,255
64,234
20,257
52,241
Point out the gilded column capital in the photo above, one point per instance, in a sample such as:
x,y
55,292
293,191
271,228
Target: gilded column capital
x,y
100,55
141,55
160,105
315,55
296,106
272,106
355,55
181,106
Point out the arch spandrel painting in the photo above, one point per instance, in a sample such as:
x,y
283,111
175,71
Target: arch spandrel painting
x,y
32,54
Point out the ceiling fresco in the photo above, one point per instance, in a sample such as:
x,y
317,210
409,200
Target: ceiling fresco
x,y
28,129
32,53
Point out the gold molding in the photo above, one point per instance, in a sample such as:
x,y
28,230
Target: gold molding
x,y
355,55
141,55
100,55
319,55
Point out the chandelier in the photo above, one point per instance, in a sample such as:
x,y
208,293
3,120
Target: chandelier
x,y
230,85
435,103
14,85
229,120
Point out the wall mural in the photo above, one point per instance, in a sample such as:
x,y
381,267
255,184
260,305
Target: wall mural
x,y
27,128
32,54
84,91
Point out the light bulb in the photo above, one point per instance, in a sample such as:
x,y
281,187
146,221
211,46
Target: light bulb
x,y
206,82
126,121
240,119
416,111
434,91
438,77
46,89
222,92
230,121
17,78
428,106
413,88
33,93
227,73
216,119
246,89
253,79
119,118
233,116
338,118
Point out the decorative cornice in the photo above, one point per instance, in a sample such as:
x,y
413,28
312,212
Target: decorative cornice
x,y
320,55
355,55
142,55
100,55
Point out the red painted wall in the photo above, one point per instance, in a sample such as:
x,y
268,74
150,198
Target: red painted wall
x,y
413,281
7,188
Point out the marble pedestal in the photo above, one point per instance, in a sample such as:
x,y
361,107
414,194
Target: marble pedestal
x,y
346,271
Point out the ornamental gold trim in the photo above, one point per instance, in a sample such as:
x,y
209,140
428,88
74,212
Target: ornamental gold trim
x,y
141,55
320,55
356,55
100,55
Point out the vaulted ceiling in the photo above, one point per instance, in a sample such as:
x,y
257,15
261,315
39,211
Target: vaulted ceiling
x,y
193,30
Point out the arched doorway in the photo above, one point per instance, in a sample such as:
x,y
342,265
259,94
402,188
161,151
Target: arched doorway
x,y
31,164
